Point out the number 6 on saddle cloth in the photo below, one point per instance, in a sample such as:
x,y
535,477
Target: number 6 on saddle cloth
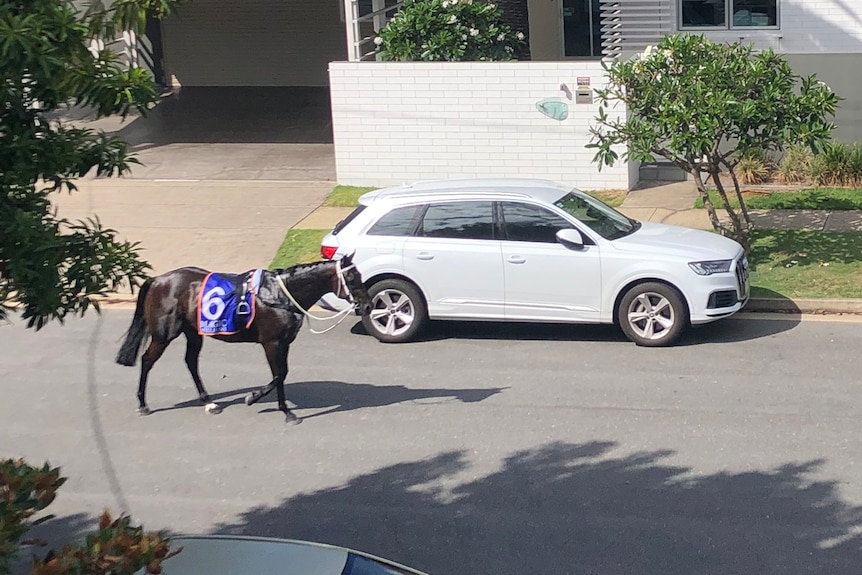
x,y
227,302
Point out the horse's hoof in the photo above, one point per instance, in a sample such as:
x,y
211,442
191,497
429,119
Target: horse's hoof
x,y
291,419
250,399
213,408
144,411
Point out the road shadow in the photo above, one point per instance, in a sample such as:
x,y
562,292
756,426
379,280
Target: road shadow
x,y
579,508
727,330
338,396
54,533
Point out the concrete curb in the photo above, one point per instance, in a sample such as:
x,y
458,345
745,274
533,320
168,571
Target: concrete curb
x,y
805,305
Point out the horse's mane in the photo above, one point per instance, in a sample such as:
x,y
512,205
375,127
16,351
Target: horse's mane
x,y
300,269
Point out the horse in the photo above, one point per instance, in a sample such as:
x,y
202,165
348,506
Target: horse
x,y
167,306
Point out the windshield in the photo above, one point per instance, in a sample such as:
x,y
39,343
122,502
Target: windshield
x,y
602,219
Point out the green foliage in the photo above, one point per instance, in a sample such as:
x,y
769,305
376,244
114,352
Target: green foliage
x,y
752,169
24,491
795,165
838,164
116,548
812,199
448,30
51,266
703,105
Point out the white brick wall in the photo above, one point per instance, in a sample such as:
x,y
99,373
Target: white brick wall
x,y
400,122
806,27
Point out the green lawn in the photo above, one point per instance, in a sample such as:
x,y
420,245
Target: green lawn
x,y
796,263
345,196
812,199
298,247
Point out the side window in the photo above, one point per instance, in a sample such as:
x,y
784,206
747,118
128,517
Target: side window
x,y
460,220
398,222
529,223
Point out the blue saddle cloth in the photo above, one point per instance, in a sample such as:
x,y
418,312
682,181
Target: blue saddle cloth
x,y
220,311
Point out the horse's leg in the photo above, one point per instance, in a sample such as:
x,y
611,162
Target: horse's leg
x,y
276,354
194,344
151,356
260,393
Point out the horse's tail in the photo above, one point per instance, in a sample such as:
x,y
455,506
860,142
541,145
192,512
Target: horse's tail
x,y
128,353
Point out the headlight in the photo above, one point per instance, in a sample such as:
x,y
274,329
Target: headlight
x,y
710,267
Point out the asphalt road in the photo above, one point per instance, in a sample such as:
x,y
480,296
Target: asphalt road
x,y
485,449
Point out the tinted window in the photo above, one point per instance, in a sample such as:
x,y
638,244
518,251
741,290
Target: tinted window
x,y
341,225
398,222
529,223
461,220
600,218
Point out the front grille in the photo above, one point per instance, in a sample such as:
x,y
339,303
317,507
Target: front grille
x,y
742,275
720,299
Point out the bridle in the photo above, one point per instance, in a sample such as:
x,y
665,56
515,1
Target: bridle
x,y
343,290
342,286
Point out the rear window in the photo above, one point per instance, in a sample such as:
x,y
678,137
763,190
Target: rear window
x,y
340,225
398,222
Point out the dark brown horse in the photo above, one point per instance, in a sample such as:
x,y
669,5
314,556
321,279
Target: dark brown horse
x,y
168,305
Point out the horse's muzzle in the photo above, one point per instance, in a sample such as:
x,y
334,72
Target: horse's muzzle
x,y
362,309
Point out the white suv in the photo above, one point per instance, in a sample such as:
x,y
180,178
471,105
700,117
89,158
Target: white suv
x,y
531,250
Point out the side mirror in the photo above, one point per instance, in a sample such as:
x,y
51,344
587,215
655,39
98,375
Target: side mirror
x,y
570,238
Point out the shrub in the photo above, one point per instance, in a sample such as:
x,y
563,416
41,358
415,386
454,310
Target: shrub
x,y
838,164
448,30
752,169
795,166
116,548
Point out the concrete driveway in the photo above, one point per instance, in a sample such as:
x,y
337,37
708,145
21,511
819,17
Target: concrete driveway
x,y
224,173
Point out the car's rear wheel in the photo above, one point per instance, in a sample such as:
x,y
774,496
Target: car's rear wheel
x,y
398,311
653,314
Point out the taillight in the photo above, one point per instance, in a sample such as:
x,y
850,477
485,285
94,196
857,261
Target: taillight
x,y
328,252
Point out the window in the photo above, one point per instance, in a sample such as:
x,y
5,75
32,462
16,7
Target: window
x,y
460,220
398,222
602,219
743,13
529,223
582,28
350,217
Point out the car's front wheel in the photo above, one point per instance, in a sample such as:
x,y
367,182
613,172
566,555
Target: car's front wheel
x,y
653,314
398,311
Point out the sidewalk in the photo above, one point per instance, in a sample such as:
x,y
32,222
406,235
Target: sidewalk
x,y
671,203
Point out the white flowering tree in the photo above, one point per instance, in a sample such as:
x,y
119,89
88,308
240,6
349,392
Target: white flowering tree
x,y
448,30
703,106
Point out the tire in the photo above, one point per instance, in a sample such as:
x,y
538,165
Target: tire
x,y
398,311
653,314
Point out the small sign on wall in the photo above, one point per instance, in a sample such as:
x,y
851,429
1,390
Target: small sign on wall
x,y
583,92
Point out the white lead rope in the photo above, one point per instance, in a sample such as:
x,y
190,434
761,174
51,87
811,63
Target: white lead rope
x,y
343,313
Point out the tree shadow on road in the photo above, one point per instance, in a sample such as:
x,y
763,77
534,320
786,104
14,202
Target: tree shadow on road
x,y
579,508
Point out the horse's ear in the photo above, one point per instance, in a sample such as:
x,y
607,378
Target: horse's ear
x,y
348,259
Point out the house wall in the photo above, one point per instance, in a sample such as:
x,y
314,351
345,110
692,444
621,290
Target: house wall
x,y
397,122
806,27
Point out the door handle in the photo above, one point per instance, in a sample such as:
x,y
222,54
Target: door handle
x,y
517,260
425,256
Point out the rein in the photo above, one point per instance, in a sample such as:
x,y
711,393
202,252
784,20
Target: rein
x,y
343,313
